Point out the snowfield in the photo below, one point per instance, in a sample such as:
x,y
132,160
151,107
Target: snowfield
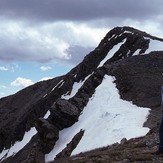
x,y
106,120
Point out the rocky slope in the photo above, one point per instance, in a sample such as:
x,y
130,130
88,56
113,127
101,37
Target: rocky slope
x,y
137,73
140,150
122,53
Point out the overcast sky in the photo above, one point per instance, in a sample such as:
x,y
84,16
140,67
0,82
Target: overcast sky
x,y
41,39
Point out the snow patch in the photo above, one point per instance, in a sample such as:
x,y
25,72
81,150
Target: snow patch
x,y
61,82
47,114
19,145
75,75
154,45
106,120
111,53
76,86
129,51
111,37
137,52
125,32
44,95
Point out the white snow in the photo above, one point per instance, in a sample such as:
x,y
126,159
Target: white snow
x,y
76,86
154,45
106,120
61,82
137,52
75,75
125,32
111,37
75,89
19,145
128,53
111,53
45,95
47,114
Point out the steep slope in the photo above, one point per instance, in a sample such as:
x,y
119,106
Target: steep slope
x,y
140,79
104,121
134,78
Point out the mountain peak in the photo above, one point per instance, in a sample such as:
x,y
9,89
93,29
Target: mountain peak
x,y
126,56
131,30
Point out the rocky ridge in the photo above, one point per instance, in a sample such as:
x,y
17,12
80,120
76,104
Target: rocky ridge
x,y
135,76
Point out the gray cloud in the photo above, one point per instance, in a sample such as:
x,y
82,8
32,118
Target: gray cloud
x,y
45,43
57,30
77,53
18,42
64,31
76,10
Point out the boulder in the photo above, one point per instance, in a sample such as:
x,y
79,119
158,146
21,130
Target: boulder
x,y
48,135
63,114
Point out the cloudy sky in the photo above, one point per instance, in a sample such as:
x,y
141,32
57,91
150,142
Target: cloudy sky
x,y
41,39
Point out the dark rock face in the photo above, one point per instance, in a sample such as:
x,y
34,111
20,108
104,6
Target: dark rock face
x,y
63,114
48,135
138,79
20,112
66,152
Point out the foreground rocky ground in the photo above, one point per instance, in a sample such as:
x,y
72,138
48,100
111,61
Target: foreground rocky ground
x,y
138,150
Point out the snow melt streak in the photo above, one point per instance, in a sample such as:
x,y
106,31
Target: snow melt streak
x,y
111,53
19,145
106,120
75,88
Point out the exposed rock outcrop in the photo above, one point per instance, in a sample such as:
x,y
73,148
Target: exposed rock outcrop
x,y
138,150
138,79
66,152
63,114
48,135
